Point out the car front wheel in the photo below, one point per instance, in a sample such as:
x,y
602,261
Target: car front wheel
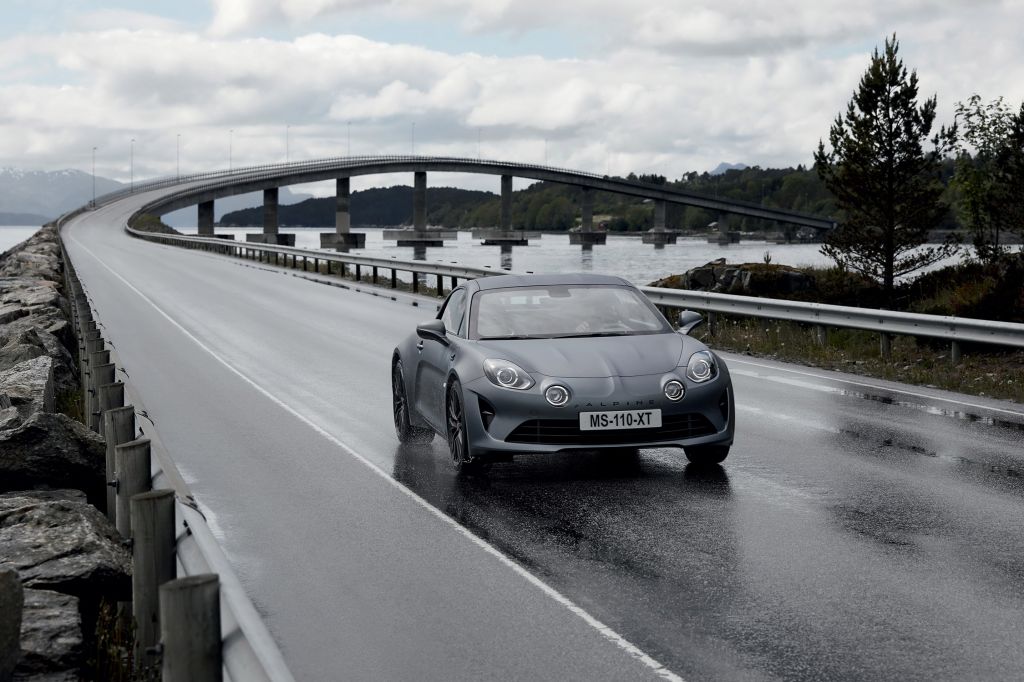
x,y
705,455
455,421
406,432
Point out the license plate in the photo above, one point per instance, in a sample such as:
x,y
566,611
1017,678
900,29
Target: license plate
x,y
620,419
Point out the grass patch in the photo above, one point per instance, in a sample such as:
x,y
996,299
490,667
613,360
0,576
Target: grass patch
x,y
982,371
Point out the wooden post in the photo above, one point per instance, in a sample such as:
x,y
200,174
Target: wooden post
x,y
440,285
822,333
100,375
886,346
190,629
712,324
132,473
955,353
94,361
118,428
109,396
153,564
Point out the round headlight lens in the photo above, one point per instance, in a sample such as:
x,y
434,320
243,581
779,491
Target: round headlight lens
x,y
701,367
674,390
557,395
507,374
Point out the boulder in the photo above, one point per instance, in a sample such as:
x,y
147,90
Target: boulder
x,y
59,542
29,384
52,450
11,601
748,279
51,638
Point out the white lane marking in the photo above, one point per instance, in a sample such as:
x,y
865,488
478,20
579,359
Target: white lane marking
x,y
605,631
876,387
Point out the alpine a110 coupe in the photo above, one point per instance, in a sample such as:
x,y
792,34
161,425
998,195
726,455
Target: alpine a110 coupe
x,y
551,363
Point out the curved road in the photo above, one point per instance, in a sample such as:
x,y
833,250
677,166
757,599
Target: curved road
x,y
859,530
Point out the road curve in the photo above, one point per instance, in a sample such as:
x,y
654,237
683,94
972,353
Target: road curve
x,y
859,530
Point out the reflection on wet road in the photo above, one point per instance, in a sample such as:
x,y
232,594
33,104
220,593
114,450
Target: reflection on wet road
x,y
857,531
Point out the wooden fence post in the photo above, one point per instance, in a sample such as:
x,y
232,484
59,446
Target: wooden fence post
x,y
153,564
190,629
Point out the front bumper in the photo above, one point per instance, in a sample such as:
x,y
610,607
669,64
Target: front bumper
x,y
503,421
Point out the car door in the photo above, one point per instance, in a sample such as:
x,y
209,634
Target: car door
x,y
435,359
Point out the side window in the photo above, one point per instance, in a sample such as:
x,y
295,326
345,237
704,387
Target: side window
x,y
454,311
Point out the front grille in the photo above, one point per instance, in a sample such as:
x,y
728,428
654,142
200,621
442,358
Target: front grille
x,y
567,432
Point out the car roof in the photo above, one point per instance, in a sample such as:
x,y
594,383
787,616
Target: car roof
x,y
508,281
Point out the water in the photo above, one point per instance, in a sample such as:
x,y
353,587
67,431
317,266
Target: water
x,y
623,255
15,234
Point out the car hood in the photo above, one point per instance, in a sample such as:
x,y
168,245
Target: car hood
x,y
603,356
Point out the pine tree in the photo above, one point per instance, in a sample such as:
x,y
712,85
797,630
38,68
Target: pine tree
x,y
885,182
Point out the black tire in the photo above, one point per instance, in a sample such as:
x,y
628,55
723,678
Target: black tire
x,y
706,455
455,428
406,432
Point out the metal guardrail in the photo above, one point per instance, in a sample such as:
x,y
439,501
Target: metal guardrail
x,y
956,330
247,651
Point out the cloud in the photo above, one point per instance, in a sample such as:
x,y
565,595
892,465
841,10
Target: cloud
x,y
696,89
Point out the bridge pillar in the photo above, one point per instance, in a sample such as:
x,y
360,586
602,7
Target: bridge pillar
x,y
206,219
504,236
419,236
506,202
270,234
419,201
586,237
658,235
342,239
270,211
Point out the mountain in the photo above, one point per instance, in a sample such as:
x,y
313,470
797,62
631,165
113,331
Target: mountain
x,y
48,193
723,167
27,219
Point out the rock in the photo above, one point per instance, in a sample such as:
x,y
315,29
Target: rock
x,y
29,386
11,601
51,637
53,451
65,545
9,417
9,312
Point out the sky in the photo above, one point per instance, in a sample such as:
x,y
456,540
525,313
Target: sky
x,y
662,86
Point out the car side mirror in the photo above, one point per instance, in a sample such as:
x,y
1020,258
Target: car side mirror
x,y
689,320
432,331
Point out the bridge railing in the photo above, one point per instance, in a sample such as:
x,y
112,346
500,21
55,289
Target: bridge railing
x,y
887,323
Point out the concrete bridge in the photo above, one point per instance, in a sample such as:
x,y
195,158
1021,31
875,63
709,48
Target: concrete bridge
x,y
205,190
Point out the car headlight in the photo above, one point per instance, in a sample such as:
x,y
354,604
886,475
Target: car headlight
x,y
557,395
701,367
507,374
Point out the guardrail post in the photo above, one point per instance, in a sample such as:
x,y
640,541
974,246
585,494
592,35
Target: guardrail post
x,y
374,274
440,285
394,278
109,396
190,629
886,345
153,564
359,272
100,375
132,474
712,324
955,352
415,282
118,428
821,331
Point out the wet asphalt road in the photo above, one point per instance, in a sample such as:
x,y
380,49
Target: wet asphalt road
x,y
858,531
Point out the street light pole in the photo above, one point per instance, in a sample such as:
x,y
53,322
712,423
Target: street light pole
x,y
231,142
287,144
131,168
177,157
413,143
94,177
349,137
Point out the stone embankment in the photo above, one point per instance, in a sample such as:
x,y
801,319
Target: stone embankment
x,y
59,555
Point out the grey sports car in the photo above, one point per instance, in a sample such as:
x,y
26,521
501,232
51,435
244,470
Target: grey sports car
x,y
549,363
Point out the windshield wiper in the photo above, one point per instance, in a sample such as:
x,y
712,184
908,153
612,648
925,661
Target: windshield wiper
x,y
592,334
508,337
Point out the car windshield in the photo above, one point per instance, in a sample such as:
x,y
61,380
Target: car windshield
x,y
547,312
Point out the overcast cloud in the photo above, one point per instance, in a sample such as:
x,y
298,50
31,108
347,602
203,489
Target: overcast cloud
x,y
669,87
